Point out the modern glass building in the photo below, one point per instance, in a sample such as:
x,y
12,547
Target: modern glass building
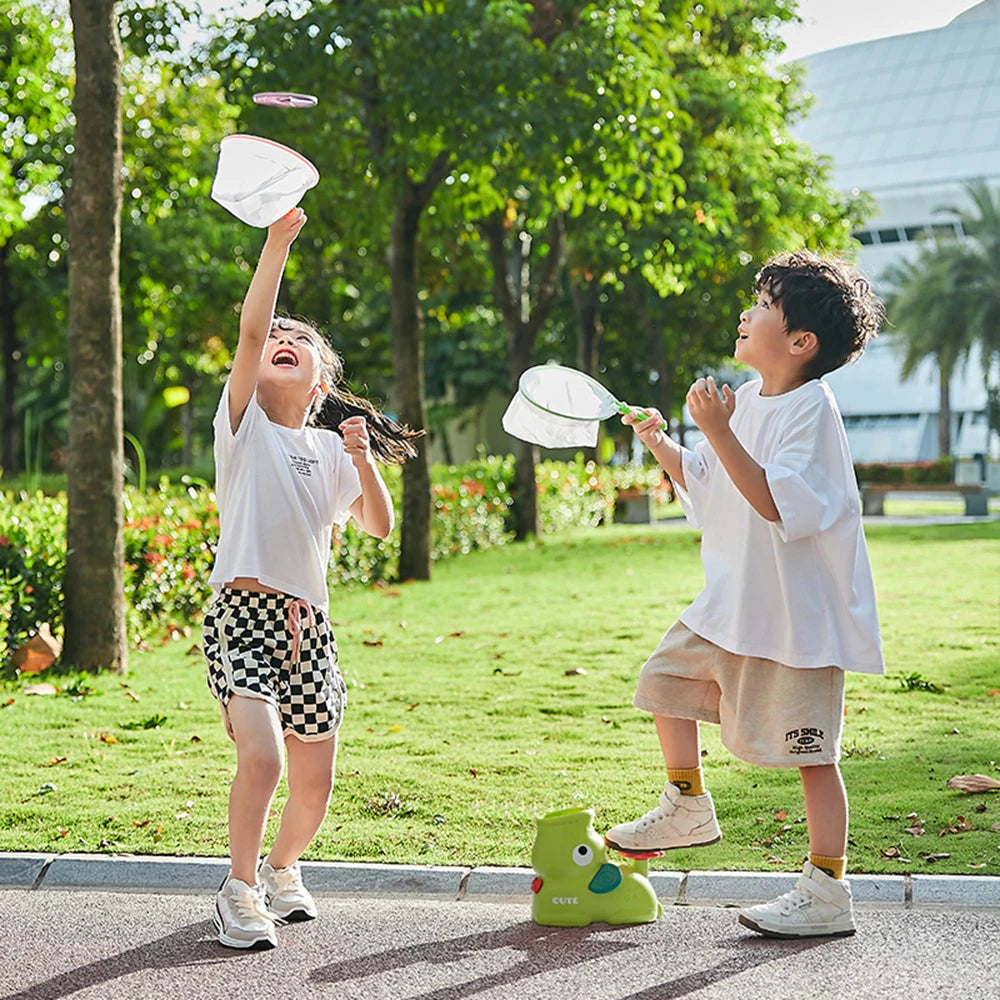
x,y
910,119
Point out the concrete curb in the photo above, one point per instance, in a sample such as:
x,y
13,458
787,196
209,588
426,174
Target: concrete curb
x,y
131,873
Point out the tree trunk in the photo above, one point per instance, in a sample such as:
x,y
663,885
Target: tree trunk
x,y
94,586
523,319
10,459
944,414
408,385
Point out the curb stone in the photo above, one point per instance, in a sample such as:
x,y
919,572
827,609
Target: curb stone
x,y
23,870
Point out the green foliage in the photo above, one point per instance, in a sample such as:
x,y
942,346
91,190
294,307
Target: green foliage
x,y
32,563
915,681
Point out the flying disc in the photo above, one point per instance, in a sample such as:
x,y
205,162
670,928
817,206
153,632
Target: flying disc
x,y
280,99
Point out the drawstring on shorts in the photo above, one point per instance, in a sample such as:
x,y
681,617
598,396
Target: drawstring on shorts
x,y
295,609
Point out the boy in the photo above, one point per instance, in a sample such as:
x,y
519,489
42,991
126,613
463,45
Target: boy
x,y
788,603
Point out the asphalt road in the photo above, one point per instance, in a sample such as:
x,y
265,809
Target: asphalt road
x,y
124,945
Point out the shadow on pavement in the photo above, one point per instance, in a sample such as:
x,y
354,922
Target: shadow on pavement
x,y
548,949
753,953
194,944
545,949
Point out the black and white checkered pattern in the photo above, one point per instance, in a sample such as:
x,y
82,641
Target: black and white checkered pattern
x,y
248,646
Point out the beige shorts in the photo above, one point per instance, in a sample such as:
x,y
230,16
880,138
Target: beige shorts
x,y
768,714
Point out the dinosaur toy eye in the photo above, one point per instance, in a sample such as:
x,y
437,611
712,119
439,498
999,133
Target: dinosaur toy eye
x,y
583,854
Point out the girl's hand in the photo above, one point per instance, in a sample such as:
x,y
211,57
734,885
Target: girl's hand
x,y
647,424
710,411
356,442
284,231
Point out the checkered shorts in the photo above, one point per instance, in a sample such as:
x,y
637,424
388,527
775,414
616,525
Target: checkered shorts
x,y
278,649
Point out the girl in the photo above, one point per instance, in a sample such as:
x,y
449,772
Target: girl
x,y
282,483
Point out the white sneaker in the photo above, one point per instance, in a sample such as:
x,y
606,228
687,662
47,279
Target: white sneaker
x,y
818,906
241,917
288,900
678,821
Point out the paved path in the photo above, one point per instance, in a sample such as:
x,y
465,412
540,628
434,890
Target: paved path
x,y
120,946
116,928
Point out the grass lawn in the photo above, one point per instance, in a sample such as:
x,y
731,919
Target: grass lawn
x,y
464,723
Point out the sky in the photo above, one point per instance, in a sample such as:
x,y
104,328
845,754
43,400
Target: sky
x,y
828,24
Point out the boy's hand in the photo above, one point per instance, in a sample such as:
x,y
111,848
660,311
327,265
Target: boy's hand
x,y
647,424
284,231
710,412
356,442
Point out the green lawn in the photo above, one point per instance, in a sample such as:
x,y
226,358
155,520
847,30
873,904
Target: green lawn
x,y
464,724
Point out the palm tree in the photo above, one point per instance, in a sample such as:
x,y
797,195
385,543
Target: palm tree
x,y
947,299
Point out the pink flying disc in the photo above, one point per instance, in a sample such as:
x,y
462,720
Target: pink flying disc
x,y
283,100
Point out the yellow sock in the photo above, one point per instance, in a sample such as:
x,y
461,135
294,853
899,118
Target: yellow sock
x,y
834,867
689,780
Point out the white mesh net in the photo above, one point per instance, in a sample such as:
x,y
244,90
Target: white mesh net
x,y
557,407
259,180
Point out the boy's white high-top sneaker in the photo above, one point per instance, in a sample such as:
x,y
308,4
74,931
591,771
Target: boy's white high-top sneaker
x,y
288,900
241,917
818,906
678,821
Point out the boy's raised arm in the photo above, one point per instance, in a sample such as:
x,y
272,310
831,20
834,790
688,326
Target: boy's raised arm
x,y
661,446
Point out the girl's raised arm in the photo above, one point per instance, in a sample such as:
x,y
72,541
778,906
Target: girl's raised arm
x,y
258,312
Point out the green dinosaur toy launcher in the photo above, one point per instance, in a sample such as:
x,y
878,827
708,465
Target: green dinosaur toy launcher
x,y
575,884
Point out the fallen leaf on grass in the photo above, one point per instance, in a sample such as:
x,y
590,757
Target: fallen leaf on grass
x,y
973,783
53,761
892,854
107,738
62,831
141,822
7,703
928,856
781,815
395,729
410,708
996,827
993,693
132,695
959,825
576,672
473,772
371,642
775,861
977,864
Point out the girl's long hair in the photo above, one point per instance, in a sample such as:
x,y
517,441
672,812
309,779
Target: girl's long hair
x,y
391,442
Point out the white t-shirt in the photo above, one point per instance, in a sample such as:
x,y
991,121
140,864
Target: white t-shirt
x,y
798,590
280,491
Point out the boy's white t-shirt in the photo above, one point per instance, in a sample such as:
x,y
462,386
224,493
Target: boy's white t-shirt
x,y
280,491
798,590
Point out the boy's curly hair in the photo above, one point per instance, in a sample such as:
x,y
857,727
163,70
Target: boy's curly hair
x,y
827,296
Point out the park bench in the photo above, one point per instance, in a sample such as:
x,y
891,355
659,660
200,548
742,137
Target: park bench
x,y
976,495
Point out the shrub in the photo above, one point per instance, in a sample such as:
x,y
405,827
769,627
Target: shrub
x,y
905,473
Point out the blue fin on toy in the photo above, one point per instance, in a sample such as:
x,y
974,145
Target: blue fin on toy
x,y
577,885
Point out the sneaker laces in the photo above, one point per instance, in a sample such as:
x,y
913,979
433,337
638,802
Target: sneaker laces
x,y
249,902
286,878
656,815
793,900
